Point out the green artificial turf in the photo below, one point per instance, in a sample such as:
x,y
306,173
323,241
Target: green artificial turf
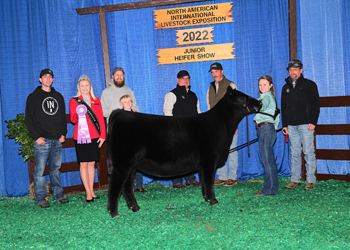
x,y
180,219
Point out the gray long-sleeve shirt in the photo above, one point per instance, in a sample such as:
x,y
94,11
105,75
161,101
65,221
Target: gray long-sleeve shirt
x,y
110,98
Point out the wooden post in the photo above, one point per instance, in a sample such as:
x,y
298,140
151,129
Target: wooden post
x,y
105,51
292,29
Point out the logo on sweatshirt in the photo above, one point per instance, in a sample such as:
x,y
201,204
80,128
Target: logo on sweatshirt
x,y
50,106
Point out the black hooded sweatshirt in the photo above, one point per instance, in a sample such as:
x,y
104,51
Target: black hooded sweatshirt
x,y
46,114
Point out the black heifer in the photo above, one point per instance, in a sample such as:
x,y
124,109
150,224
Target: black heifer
x,y
166,146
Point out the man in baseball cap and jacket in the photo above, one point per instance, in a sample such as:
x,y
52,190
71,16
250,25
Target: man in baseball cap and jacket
x,y
300,108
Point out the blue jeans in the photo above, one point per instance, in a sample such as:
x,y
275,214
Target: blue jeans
x,y
188,178
232,163
302,139
51,151
267,138
138,181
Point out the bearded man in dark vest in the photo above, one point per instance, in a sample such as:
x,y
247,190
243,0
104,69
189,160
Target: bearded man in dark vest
x,y
227,176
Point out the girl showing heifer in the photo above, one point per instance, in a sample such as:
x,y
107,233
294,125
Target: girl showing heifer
x,y
266,125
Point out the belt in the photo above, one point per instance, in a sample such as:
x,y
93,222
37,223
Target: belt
x,y
262,123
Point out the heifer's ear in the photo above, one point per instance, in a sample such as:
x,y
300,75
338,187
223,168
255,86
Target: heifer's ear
x,y
230,90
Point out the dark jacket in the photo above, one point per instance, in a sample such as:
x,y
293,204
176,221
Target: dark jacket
x,y
46,114
301,104
186,101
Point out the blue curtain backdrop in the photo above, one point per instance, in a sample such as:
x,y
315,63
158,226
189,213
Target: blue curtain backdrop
x,y
40,34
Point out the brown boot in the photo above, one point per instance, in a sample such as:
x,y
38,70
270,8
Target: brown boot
x,y
230,183
292,185
218,182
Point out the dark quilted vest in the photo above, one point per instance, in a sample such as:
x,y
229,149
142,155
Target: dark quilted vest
x,y
186,102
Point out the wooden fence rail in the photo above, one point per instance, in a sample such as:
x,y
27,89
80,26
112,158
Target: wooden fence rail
x,y
333,129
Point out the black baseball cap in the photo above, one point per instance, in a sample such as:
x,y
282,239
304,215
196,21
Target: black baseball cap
x,y
118,69
182,73
46,71
216,66
295,64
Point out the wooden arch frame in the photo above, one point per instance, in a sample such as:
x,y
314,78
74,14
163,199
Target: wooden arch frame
x,y
101,10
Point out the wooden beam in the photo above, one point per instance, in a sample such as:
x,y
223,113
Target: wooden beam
x,y
105,50
292,9
338,177
335,101
102,167
133,6
332,129
333,154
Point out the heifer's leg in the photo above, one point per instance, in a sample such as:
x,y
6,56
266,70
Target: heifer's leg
x,y
117,181
208,182
200,173
128,192
114,192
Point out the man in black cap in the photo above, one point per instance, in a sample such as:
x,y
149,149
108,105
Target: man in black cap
x,y
47,124
300,108
215,92
181,101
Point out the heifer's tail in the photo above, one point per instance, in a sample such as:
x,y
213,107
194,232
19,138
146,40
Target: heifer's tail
x,y
109,155
109,151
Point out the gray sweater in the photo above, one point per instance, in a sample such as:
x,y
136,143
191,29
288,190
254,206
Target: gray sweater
x,y
110,98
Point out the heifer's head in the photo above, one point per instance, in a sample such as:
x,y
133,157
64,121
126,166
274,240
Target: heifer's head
x,y
242,102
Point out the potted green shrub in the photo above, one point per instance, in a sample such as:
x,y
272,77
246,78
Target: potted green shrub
x,y
18,131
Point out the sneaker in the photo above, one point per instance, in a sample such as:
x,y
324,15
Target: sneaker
x,y
310,186
62,200
230,183
43,204
219,182
292,185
